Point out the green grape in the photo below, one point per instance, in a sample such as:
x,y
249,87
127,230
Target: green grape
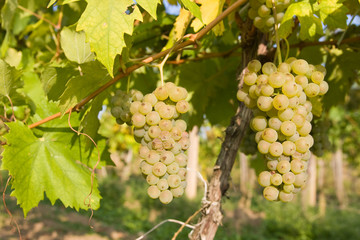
x,y
177,192
250,78
173,168
162,184
241,95
269,68
263,146
174,181
276,179
284,68
272,164
143,151
271,193
270,21
302,81
276,79
139,132
288,188
281,102
300,67
181,159
301,110
165,197
258,123
169,143
302,145
289,148
254,66
177,93
293,102
153,192
297,166
288,178
157,144
258,136
302,98
290,89
151,179
276,149
305,129
264,103
259,23
263,11
158,105
154,131
145,108
182,106
182,173
317,77
159,169
323,88
138,120
285,197
275,123
283,166
300,179
269,135
185,143
152,157
165,125
145,168
312,90
288,128
264,178
150,98
167,157
286,114
252,13
152,118
166,112
267,90
262,79
161,93
298,120
181,124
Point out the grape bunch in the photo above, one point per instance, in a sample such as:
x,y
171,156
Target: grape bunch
x,y
278,97
321,137
164,140
262,14
120,105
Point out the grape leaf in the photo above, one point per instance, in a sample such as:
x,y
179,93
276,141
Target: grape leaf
x,y
94,76
192,7
74,46
8,13
45,164
105,22
54,80
210,9
9,79
333,13
150,6
90,122
310,25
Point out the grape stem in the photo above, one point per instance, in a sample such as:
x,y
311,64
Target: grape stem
x,y
278,50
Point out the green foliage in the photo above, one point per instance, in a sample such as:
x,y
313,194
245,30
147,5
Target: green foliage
x,y
47,166
192,7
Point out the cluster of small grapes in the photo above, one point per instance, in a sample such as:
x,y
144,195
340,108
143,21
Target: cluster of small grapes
x,y
120,105
320,133
282,120
164,140
261,13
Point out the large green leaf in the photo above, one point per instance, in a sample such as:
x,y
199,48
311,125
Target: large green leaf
x,y
333,13
74,46
8,13
105,22
93,76
46,164
150,6
9,79
310,25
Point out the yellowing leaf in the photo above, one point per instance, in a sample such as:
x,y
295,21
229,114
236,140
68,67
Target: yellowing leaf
x,y
210,9
105,22
181,23
150,6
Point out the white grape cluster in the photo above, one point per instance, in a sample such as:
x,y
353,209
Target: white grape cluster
x,y
282,119
261,13
120,105
164,140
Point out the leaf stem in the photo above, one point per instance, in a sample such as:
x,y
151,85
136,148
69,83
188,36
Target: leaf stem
x,y
38,16
191,41
347,27
278,50
287,48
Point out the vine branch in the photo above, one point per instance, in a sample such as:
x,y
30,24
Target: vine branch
x,y
38,16
191,41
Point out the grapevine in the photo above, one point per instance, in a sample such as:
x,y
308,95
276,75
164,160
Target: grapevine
x,y
162,136
279,99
